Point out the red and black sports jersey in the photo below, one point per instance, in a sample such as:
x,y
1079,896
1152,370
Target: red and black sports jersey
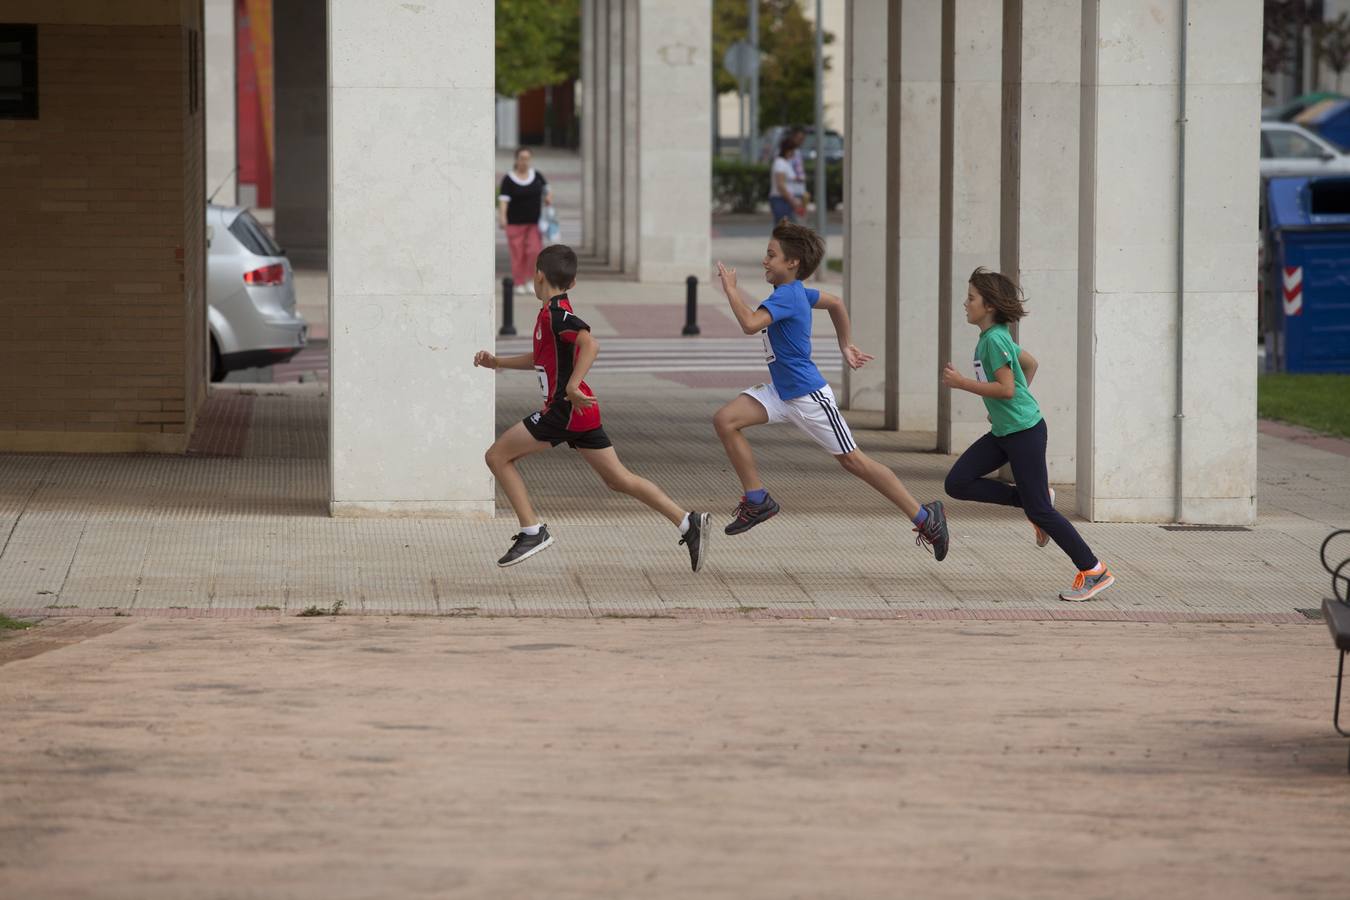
x,y
555,352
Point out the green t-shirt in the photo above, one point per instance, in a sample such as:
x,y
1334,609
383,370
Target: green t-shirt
x,y
995,350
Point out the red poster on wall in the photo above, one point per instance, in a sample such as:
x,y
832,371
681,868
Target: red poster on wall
x,y
253,73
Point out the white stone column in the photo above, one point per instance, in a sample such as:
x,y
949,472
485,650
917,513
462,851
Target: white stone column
x,y
615,133
675,159
1128,258
588,130
868,180
1042,63
631,111
411,295
972,102
915,199
222,158
601,125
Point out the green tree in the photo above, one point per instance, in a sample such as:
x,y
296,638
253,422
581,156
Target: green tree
x,y
1333,42
538,44
787,73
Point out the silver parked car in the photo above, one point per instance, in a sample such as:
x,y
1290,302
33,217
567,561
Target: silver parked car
x,y
1289,149
250,295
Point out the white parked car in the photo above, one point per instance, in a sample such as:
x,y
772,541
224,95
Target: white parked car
x,y
250,295
1289,149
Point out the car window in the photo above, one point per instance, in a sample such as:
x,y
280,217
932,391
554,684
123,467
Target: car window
x,y
253,236
1292,145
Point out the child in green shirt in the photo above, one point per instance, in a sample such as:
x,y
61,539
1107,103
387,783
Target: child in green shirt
x,y
1003,375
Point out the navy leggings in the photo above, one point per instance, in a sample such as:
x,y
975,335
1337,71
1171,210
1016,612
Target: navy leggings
x,y
1025,450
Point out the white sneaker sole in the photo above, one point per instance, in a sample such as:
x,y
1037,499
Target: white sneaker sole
x,y
1096,589
703,540
524,556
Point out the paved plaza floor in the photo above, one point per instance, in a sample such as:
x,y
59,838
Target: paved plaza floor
x,y
379,757
240,527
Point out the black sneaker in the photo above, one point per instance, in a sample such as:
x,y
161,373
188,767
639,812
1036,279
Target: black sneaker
x,y
525,546
748,515
697,539
933,533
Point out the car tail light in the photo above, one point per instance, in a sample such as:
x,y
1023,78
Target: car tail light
x,y
267,275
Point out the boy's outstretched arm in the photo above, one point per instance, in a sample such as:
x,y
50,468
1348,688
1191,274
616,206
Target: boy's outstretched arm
x,y
844,329
751,320
488,361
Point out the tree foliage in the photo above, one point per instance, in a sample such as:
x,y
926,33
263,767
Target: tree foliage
x,y
1333,43
538,44
787,42
1284,21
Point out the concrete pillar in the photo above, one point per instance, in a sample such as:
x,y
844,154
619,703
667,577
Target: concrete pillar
x,y
599,149
869,173
675,174
588,132
1042,61
631,213
222,160
972,102
300,195
615,133
411,285
915,210
1131,231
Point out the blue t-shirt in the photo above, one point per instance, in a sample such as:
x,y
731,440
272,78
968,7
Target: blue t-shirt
x,y
787,341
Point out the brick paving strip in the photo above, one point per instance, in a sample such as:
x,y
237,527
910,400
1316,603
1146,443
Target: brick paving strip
x,y
1305,436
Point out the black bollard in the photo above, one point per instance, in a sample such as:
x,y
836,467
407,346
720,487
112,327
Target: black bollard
x,y
690,305
508,307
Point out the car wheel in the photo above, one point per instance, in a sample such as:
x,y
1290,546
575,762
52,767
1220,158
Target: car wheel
x,y
217,367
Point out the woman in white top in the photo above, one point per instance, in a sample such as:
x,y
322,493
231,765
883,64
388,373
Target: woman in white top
x,y
520,201
787,184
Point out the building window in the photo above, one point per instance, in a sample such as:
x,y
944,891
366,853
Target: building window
x,y
18,72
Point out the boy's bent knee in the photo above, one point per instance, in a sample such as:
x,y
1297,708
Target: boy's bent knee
x,y
724,422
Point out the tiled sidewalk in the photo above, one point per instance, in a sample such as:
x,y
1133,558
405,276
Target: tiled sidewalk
x,y
240,528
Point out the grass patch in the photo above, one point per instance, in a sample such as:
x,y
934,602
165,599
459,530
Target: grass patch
x,y
334,610
8,624
834,265
1319,402
274,608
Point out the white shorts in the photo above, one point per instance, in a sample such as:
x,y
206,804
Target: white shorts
x,y
815,413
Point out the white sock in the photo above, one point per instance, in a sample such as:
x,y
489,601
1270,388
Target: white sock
x,y
531,530
684,524
1097,569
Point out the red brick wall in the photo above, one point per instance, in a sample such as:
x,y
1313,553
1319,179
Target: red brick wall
x,y
102,274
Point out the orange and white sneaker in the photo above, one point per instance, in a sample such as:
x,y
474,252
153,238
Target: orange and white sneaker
x,y
1089,584
1041,537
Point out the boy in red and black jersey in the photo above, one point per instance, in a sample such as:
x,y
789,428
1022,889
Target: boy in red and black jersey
x,y
563,353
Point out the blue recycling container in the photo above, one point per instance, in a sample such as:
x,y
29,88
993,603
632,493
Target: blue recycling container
x,y
1309,222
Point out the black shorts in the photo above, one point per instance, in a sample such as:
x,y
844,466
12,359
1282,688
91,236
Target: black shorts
x,y
545,428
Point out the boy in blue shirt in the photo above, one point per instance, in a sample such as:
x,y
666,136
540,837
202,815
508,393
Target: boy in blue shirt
x,y
797,392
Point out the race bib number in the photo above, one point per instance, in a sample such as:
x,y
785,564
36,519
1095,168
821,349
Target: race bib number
x,y
768,347
543,380
979,371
